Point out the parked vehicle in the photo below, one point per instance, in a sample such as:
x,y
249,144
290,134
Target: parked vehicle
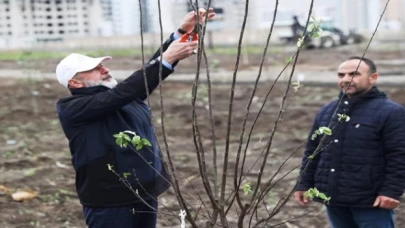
x,y
330,36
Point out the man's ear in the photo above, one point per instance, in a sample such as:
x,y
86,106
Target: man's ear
x,y
75,83
373,78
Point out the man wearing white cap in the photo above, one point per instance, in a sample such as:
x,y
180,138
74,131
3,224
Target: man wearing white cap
x,y
98,108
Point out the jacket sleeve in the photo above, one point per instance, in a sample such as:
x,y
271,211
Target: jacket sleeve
x,y
165,45
91,108
394,147
307,174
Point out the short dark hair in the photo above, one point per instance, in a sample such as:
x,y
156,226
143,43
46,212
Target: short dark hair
x,y
371,65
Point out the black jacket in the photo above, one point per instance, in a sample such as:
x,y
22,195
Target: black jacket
x,y
91,116
364,157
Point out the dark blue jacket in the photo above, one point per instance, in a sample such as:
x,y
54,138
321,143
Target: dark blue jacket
x,y
91,116
364,157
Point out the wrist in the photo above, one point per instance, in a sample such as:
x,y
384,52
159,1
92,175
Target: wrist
x,y
181,31
168,58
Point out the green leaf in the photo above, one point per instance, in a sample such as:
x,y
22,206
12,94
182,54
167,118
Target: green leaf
x,y
322,196
342,117
299,43
247,188
325,130
316,192
136,140
118,141
308,194
146,142
316,34
314,135
126,175
311,27
110,167
288,59
117,135
127,138
139,146
296,85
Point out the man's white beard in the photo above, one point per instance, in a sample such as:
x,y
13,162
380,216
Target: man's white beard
x,y
111,83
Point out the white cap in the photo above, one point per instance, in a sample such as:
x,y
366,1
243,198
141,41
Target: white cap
x,y
75,63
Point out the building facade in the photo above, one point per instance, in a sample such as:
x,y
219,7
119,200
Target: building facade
x,y
25,22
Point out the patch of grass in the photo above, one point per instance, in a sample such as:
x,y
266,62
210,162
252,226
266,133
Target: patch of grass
x,y
18,55
245,50
39,54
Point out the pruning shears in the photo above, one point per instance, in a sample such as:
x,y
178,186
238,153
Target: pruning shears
x,y
193,35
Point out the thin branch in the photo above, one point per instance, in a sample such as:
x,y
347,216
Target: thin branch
x,y
281,111
236,183
227,143
176,184
213,135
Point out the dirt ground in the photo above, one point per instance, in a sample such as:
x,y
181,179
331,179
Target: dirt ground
x,y
34,154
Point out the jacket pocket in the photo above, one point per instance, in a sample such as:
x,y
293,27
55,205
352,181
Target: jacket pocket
x,y
363,124
363,131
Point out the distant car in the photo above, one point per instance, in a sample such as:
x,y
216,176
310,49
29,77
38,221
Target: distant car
x,y
350,38
329,37
332,36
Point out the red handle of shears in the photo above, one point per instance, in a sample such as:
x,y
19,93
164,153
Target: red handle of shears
x,y
189,37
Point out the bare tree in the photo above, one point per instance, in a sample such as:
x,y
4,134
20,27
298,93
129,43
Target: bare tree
x,y
236,202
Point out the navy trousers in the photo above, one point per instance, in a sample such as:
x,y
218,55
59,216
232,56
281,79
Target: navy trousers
x,y
350,217
133,216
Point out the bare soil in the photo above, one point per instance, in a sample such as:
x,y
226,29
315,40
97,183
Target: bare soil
x,y
320,59
34,154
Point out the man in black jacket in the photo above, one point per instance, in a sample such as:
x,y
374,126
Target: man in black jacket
x,y
98,108
361,165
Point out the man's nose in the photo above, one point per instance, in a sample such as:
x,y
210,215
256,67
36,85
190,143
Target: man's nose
x,y
105,70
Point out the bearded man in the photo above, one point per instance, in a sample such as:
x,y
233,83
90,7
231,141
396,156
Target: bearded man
x,y
361,165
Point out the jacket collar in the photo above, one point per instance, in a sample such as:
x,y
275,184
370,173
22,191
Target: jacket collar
x,y
88,90
374,92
